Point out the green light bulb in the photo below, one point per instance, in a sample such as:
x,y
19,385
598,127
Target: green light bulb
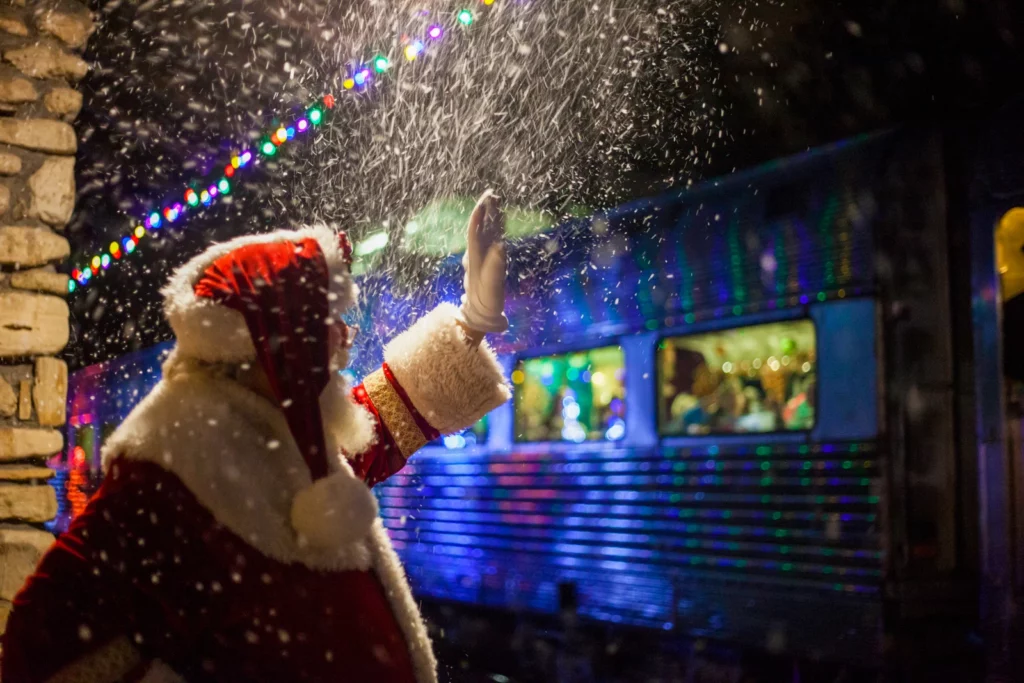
x,y
465,17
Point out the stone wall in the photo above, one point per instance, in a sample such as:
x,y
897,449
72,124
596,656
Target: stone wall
x,y
40,44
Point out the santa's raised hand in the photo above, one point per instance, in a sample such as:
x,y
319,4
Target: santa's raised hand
x,y
486,264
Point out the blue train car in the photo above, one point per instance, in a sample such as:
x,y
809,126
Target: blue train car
x,y
733,414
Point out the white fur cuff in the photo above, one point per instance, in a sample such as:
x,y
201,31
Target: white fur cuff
x,y
335,511
451,383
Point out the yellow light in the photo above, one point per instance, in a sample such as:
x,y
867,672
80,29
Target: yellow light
x,y
598,378
235,162
95,262
411,52
488,2
518,377
349,83
282,134
114,247
139,231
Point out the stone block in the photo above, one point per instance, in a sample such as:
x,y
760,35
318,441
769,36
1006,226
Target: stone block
x,y
16,27
8,399
63,102
10,164
17,443
53,191
25,400
20,552
32,324
51,391
43,60
26,247
17,91
27,503
25,473
72,27
41,280
42,135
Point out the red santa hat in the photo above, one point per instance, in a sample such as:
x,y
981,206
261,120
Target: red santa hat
x,y
273,299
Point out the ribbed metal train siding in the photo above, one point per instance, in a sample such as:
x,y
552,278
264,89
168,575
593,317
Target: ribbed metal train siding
x,y
753,543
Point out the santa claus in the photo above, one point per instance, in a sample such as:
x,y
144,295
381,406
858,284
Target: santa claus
x,y
235,537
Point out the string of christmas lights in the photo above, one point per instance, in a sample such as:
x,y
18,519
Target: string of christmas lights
x,y
199,195
360,77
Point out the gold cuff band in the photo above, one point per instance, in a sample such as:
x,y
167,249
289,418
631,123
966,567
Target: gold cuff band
x,y
393,413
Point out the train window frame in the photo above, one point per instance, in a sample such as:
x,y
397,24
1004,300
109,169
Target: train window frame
x,y
725,326
549,352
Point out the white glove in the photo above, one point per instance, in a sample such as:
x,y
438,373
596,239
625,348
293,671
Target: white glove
x,y
483,304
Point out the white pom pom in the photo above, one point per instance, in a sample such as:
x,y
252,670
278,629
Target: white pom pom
x,y
335,511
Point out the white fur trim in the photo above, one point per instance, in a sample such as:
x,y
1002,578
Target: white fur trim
x,y
335,511
233,450
349,429
208,331
449,382
159,672
403,606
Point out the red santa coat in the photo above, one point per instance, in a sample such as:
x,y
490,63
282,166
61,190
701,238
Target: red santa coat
x,y
186,561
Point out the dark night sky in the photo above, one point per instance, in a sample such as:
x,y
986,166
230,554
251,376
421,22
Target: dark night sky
x,y
790,75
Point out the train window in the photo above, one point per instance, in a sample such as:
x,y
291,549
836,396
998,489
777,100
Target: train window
x,y
753,379
575,397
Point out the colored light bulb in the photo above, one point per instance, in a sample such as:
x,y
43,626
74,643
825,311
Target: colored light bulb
x,y
105,261
269,149
191,198
204,197
235,162
349,83
329,101
381,64
71,286
224,186
129,245
465,17
302,125
115,248
314,116
87,273
291,132
281,134
435,32
229,171
246,157
76,273
413,51
488,2
154,220
95,262
212,190
360,80
139,231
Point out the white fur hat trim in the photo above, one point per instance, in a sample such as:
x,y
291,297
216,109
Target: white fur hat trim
x,y
208,331
335,511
